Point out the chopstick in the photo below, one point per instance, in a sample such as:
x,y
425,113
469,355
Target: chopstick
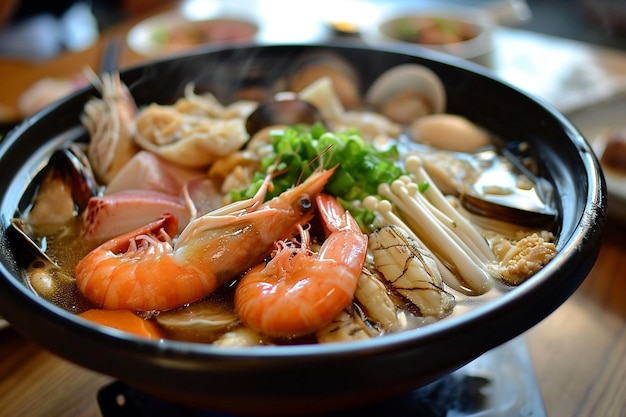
x,y
110,56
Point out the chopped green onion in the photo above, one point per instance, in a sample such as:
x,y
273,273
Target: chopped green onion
x,y
361,167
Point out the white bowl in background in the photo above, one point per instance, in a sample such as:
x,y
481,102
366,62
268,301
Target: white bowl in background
x,y
174,32
397,24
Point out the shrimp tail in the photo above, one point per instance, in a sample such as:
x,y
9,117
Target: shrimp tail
x,y
345,242
332,214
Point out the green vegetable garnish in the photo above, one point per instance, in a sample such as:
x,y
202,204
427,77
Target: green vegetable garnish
x,y
407,31
161,35
361,167
447,25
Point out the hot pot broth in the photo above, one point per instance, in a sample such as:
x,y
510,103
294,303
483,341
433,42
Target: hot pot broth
x,y
412,275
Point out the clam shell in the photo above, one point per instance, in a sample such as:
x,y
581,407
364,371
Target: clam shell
x,y
314,66
408,77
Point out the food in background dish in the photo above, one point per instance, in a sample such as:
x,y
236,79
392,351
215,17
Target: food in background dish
x,y
202,247
430,30
183,35
458,31
613,155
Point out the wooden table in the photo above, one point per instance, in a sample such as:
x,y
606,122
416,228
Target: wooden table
x,y
577,351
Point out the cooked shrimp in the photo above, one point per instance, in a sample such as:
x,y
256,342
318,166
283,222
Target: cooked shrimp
x,y
143,270
299,291
116,275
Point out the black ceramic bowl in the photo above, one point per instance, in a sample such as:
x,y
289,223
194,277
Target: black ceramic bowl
x,y
310,378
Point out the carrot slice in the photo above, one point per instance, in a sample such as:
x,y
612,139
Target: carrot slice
x,y
123,320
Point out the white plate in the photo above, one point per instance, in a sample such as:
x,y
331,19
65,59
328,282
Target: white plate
x,y
592,122
173,32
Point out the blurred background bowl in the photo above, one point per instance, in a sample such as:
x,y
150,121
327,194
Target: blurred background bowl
x,y
459,31
175,32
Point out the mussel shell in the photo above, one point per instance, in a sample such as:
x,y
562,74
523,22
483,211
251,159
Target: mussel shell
x,y
495,186
29,248
71,165
500,210
61,287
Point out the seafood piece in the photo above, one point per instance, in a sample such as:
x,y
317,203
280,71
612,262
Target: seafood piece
x,y
412,272
521,259
282,112
67,183
146,171
493,185
236,170
206,320
44,275
299,291
407,92
51,282
202,196
370,124
187,140
323,97
450,132
208,105
323,64
112,277
258,147
110,123
371,293
346,327
112,215
164,275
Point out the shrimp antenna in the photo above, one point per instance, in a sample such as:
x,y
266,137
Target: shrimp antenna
x,y
274,172
330,148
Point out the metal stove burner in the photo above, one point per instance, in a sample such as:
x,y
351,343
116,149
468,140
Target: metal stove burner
x,y
500,383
